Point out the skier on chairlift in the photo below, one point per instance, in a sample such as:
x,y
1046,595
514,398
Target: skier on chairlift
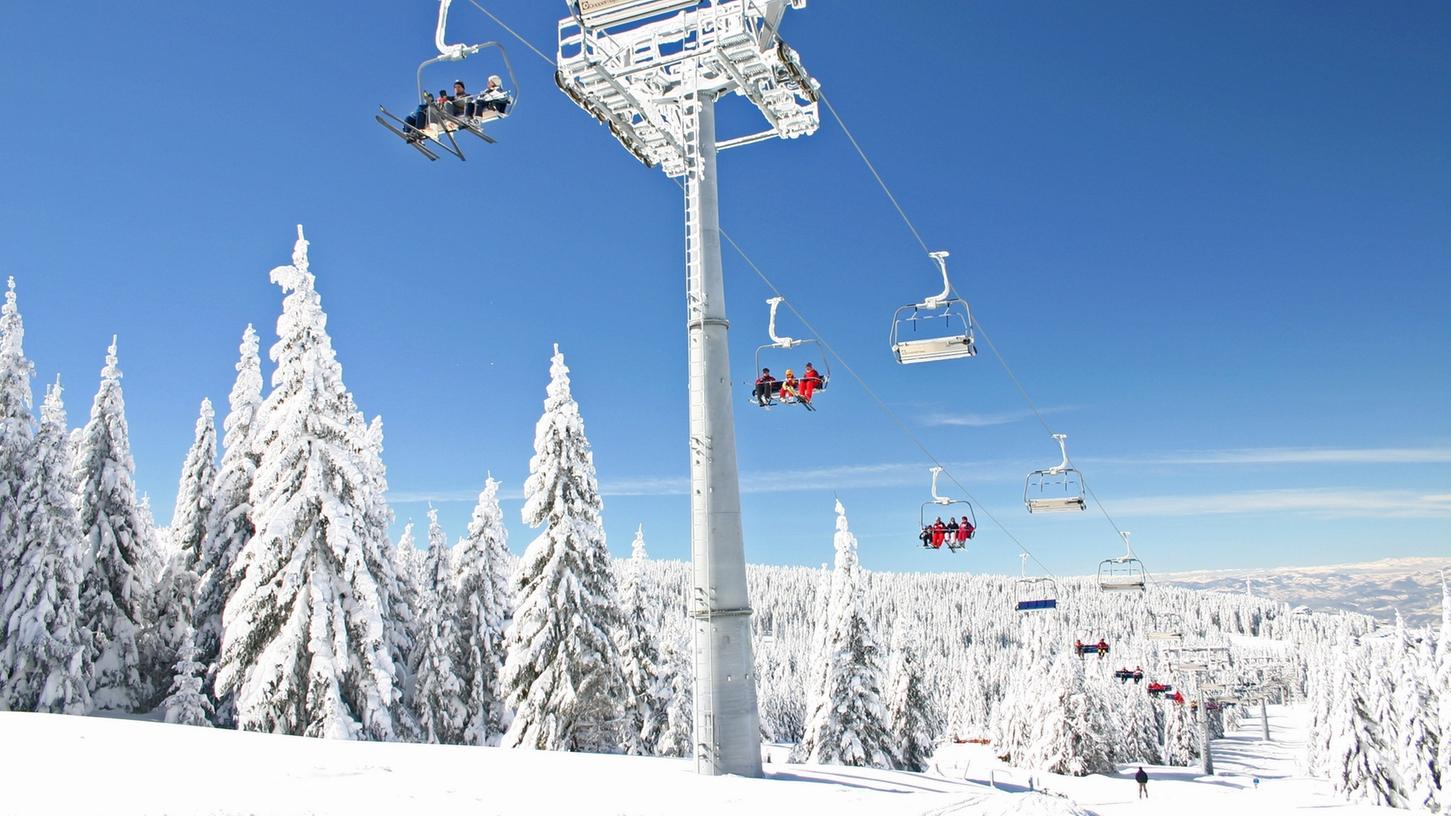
x,y
939,532
964,532
949,533
765,384
1102,648
810,381
790,387
926,537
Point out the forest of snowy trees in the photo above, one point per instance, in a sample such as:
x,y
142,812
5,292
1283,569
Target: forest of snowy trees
x,y
276,601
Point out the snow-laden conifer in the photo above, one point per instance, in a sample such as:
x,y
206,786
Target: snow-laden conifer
x,y
646,700
1442,688
1072,734
393,592
908,705
17,432
116,550
849,723
680,718
562,674
177,590
305,647
438,691
229,519
1361,764
186,703
45,660
484,605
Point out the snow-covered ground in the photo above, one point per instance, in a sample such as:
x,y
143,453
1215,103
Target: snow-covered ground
x,y
59,764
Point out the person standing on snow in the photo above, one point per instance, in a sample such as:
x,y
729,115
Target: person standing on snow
x,y
1143,780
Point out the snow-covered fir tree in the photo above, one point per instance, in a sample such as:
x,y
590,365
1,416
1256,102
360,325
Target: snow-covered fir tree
x,y
45,658
115,554
908,706
177,590
1072,734
438,691
305,647
229,519
186,703
1361,765
484,606
647,707
680,717
393,593
1417,737
849,723
562,673
17,432
1442,688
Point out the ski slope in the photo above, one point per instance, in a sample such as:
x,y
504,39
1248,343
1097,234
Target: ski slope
x,y
137,767
1238,758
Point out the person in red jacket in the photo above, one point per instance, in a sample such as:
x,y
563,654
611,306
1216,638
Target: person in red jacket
x,y
939,532
964,532
810,381
1102,648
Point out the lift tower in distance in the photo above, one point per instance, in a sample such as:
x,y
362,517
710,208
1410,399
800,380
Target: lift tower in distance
x,y
652,71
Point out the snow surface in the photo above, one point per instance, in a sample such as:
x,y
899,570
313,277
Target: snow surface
x,y
135,767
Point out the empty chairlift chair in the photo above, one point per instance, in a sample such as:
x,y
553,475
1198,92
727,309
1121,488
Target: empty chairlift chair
x,y
1124,573
1056,489
1166,627
1036,593
945,323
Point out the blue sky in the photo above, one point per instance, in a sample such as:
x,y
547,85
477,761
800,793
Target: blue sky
x,y
1213,241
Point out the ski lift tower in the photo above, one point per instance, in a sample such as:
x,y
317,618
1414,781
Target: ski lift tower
x,y
652,71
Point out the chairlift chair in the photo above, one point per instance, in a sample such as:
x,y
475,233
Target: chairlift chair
x,y
1168,626
1056,489
1037,593
1124,573
441,122
938,501
947,324
772,394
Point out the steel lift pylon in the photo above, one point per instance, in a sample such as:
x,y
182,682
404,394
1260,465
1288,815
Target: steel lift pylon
x,y
652,71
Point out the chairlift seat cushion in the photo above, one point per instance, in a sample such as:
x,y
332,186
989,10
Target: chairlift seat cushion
x,y
1056,504
1045,603
934,348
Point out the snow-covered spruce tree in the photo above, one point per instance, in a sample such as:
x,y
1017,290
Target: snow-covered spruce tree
x,y
484,606
1442,687
1360,762
1413,703
305,649
562,674
849,725
45,659
647,705
1071,730
229,520
680,718
177,590
186,703
397,612
17,432
114,601
908,705
438,690
408,569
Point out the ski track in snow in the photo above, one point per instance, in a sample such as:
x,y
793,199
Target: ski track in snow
x,y
135,767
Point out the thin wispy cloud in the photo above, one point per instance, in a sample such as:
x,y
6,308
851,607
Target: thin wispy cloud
x,y
986,420
1321,502
1287,456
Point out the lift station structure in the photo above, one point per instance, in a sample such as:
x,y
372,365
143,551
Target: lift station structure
x,y
652,71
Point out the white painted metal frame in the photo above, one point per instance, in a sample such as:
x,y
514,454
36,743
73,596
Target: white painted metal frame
x,y
1123,574
652,70
1056,489
951,311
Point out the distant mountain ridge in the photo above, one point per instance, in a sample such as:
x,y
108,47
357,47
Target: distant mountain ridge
x,y
1375,588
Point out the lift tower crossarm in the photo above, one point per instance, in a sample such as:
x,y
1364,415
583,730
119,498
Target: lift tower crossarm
x,y
652,71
